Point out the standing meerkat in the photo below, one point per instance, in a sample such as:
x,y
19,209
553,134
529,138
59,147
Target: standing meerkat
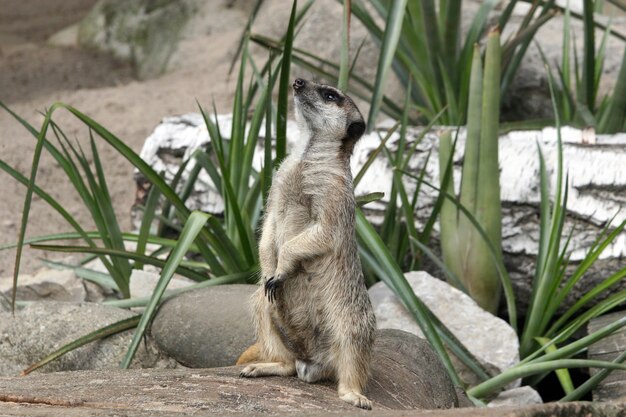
x,y
312,312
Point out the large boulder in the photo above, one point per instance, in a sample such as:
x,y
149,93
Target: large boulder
x,y
206,328
43,327
490,339
407,373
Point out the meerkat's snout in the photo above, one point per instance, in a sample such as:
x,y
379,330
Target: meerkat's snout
x,y
299,84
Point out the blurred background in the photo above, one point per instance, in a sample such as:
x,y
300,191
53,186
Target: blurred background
x,y
129,63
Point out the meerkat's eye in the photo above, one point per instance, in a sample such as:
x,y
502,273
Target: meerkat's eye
x,y
330,96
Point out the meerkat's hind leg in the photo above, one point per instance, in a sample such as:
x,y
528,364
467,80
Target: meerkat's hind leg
x,y
352,374
269,369
356,399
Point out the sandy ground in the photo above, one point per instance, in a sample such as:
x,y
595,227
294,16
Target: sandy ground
x,y
34,75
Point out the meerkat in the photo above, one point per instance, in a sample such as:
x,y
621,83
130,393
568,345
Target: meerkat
x,y
312,312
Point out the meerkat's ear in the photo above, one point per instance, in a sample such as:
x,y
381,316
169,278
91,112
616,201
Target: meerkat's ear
x,y
356,129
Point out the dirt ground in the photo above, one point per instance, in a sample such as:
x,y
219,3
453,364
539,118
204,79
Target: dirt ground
x,y
34,75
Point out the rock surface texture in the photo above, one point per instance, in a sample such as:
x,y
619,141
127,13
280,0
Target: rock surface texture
x,y
406,375
489,338
209,392
40,328
206,328
597,182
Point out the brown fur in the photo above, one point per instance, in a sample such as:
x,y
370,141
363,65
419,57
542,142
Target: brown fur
x,y
312,312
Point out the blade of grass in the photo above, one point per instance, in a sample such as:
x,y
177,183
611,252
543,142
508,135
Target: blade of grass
x,y
146,223
100,278
362,200
448,273
494,384
562,374
588,55
374,154
393,28
344,60
122,254
193,226
592,382
27,202
240,277
283,90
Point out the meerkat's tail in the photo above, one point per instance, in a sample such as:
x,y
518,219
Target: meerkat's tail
x,y
252,354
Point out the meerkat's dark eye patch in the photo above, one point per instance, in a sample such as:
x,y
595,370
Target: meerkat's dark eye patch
x,y
331,96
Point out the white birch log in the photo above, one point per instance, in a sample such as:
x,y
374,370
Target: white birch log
x,y
595,166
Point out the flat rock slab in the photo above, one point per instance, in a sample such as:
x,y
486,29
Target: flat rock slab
x,y
219,390
151,398
175,392
406,374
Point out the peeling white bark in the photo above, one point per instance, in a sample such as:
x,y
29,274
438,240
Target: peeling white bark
x,y
595,166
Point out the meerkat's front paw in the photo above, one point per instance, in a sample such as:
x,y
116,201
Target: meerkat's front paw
x,y
271,285
357,400
249,371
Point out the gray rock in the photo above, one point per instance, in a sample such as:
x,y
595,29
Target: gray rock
x,y
406,369
144,32
490,339
142,283
47,284
206,328
516,397
42,327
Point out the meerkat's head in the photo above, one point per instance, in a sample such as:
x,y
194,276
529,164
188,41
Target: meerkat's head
x,y
326,114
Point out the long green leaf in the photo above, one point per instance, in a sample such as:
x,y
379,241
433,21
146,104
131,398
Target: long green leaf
x,y
516,372
372,157
344,62
28,200
283,89
562,374
146,223
589,96
392,35
196,276
193,226
240,277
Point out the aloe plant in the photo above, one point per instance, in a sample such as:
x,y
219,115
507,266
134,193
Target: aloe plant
x,y
464,250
